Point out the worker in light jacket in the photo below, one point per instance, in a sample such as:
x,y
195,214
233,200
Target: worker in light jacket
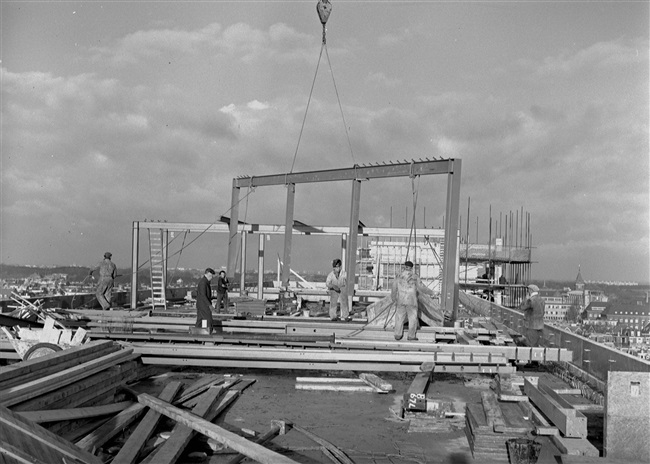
x,y
533,309
107,272
204,301
404,294
335,283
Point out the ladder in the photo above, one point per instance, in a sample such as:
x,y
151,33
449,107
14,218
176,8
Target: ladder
x,y
158,266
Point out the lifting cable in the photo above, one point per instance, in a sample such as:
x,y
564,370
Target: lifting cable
x,y
412,233
323,8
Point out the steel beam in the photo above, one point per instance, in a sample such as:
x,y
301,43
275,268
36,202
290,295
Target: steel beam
x,y
351,252
406,169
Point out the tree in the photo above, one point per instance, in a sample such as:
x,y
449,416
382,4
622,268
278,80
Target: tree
x,y
572,313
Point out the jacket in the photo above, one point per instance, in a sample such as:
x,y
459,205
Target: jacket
x,y
533,309
406,287
335,283
204,295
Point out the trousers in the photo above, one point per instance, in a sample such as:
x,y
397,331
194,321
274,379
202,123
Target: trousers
x,y
222,297
335,297
105,293
403,313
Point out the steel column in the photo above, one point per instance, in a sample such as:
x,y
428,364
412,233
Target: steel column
x,y
449,297
135,251
260,267
288,224
242,277
232,236
351,251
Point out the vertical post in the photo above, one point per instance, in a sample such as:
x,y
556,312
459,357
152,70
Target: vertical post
x,y
351,254
344,247
260,268
135,250
232,236
242,277
288,230
450,280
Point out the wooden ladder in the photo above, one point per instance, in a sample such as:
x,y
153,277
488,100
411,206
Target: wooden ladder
x,y
158,266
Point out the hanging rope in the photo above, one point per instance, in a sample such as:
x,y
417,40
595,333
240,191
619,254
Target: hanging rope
x,y
307,109
323,8
413,233
336,90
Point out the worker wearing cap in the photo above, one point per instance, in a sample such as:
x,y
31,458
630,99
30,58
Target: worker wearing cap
x,y
404,294
533,309
204,300
336,282
107,273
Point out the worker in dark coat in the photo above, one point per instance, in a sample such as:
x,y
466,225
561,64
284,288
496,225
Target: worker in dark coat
x,y
204,301
533,309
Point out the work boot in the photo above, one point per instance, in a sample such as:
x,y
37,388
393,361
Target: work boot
x,y
398,337
334,319
412,339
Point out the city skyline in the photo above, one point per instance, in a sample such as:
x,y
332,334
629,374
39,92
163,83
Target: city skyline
x,y
116,112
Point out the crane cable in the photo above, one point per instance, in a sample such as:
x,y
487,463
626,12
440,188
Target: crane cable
x,y
323,8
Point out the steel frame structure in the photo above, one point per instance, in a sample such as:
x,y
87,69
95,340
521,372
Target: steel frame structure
x,y
356,174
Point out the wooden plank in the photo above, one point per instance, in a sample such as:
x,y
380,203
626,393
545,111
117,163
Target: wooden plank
x,y
237,443
337,388
54,415
181,435
374,380
571,423
129,452
30,431
81,391
493,412
51,382
224,402
60,366
37,364
277,428
575,446
340,455
111,428
18,455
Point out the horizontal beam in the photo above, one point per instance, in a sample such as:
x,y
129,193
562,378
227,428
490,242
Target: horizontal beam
x,y
415,168
298,229
327,366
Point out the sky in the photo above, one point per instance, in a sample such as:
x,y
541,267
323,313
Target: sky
x,y
114,112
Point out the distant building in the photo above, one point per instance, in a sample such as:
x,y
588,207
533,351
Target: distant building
x,y
630,319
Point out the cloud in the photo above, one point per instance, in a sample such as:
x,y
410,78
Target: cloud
x,y
240,40
394,39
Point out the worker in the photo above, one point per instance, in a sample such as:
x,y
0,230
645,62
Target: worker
x,y
336,282
204,301
404,294
222,291
533,308
107,273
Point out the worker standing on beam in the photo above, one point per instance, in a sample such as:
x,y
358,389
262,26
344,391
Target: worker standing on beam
x,y
107,273
336,281
405,296
204,301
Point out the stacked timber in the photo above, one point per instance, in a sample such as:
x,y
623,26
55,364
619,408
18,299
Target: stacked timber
x,y
571,423
509,387
46,401
490,424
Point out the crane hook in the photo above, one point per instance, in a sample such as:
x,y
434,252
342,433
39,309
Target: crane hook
x,y
323,8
